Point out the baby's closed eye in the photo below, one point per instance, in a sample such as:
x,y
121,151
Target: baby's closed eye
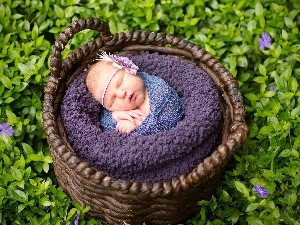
x,y
120,81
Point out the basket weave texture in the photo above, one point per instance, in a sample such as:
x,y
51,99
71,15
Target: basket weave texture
x,y
116,201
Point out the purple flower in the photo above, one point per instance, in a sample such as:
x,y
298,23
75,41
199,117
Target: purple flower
x,y
119,62
271,88
6,129
261,191
126,63
264,41
76,221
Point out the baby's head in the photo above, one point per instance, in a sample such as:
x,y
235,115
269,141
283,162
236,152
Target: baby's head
x,y
116,87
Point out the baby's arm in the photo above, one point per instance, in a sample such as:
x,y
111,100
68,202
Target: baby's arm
x,y
131,115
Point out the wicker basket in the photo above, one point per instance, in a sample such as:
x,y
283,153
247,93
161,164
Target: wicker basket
x,y
116,201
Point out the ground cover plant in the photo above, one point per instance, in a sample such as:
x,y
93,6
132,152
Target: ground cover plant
x,y
258,41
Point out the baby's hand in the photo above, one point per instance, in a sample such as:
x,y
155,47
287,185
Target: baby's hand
x,y
131,115
126,126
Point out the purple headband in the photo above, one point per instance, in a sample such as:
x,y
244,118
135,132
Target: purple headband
x,y
119,62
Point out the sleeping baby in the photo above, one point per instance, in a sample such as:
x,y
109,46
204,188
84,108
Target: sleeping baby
x,y
133,102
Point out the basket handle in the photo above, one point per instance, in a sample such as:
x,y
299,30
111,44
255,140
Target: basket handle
x,y
65,36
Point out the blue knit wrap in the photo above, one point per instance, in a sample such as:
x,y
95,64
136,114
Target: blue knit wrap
x,y
166,108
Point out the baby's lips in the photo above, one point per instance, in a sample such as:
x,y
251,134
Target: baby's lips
x,y
131,96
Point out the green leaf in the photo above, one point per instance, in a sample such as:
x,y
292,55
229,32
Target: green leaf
x,y
277,51
284,34
269,94
251,25
242,61
59,12
69,11
260,79
17,16
244,77
48,159
21,162
285,153
16,173
287,73
297,143
288,22
21,207
6,159
56,30
262,22
6,39
194,21
241,187
275,213
46,167
262,70
23,68
273,121
3,192
34,32
20,87
6,81
9,100
71,213
251,97
259,10
39,41
297,57
252,206
27,149
22,196
265,130
148,12
33,157
292,198
293,84
253,220
12,118
46,203
280,83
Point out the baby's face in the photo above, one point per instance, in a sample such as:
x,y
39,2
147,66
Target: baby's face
x,y
124,92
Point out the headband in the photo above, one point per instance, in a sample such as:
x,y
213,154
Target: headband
x,y
106,86
119,62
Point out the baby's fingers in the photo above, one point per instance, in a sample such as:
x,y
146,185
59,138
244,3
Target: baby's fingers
x,y
126,116
136,114
139,112
120,127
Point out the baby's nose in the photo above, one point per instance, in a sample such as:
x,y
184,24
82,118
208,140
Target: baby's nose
x,y
121,93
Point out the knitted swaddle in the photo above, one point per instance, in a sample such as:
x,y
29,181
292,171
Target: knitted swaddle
x,y
166,108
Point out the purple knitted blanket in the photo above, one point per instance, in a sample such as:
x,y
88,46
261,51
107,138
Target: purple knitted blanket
x,y
156,157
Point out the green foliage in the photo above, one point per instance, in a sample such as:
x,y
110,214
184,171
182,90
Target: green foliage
x,y
227,29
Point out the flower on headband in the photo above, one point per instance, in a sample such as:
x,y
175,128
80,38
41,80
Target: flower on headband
x,y
119,62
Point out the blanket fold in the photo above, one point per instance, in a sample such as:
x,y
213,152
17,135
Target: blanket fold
x,y
155,157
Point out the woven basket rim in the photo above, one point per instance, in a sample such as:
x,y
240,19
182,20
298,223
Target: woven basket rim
x,y
238,130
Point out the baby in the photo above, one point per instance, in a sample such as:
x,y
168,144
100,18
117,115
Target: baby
x,y
134,102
